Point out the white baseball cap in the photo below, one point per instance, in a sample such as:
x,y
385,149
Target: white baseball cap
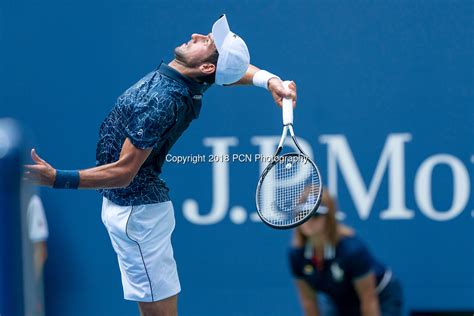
x,y
234,57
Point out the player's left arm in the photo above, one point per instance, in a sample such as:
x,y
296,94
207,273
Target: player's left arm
x,y
118,174
273,84
369,301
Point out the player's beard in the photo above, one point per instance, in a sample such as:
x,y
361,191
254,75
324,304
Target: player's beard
x,y
181,57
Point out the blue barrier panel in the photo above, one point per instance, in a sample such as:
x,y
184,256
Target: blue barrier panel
x,y
11,263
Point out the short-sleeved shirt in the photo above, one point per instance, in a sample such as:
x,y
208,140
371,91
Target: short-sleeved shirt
x,y
153,113
342,265
37,224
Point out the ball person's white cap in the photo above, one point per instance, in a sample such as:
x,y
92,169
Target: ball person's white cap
x,y
323,210
234,57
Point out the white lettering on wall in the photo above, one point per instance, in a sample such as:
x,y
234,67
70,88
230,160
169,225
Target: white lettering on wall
x,y
340,157
341,164
423,185
220,185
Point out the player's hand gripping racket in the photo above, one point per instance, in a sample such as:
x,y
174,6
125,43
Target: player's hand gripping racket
x,y
289,190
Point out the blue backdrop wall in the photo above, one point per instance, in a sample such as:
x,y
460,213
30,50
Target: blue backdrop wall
x,y
385,107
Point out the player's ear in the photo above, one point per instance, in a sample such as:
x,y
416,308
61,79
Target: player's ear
x,y
207,68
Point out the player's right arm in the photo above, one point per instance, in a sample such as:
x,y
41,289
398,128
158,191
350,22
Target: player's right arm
x,y
118,174
273,84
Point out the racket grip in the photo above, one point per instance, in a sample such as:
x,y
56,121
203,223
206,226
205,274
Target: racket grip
x,y
287,106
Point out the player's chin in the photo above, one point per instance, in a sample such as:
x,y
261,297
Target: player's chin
x,y
180,54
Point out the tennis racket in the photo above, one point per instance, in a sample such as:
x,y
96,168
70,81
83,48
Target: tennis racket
x,y
289,190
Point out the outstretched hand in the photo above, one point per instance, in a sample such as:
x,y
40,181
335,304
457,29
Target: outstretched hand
x,y
41,173
275,86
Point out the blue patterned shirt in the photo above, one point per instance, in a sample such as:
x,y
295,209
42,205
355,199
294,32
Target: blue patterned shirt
x,y
153,113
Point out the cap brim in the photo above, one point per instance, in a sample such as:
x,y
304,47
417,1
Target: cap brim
x,y
323,210
220,30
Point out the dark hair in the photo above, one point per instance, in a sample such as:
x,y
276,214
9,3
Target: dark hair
x,y
212,59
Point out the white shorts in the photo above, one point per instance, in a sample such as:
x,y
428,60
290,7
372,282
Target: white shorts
x,y
141,237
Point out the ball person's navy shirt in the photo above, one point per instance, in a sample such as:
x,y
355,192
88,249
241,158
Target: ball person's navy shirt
x,y
153,113
344,264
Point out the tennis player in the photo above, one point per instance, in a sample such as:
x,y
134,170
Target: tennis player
x,y
134,139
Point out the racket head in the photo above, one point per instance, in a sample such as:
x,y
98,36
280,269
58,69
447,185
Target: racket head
x,y
289,191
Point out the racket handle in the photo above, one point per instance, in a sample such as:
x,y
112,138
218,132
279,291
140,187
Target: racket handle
x,y
287,107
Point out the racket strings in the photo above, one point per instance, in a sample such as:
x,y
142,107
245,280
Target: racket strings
x,y
289,192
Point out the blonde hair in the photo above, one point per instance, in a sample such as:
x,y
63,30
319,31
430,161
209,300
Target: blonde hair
x,y
331,227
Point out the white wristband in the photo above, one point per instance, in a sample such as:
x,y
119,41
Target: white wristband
x,y
261,77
